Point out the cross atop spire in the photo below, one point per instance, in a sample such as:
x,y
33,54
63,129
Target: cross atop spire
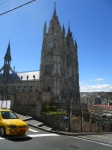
x,y
54,9
54,5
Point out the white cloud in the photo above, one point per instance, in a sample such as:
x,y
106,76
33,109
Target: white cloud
x,y
99,79
96,88
84,82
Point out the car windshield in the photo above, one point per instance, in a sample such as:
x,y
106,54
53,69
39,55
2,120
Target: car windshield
x,y
8,115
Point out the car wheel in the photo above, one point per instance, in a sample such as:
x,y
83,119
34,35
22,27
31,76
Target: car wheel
x,y
2,131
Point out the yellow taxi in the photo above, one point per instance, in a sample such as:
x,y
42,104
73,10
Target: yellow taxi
x,y
11,124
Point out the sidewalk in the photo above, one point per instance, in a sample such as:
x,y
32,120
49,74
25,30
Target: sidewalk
x,y
96,137
35,123
40,125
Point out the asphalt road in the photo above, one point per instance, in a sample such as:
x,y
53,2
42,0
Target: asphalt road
x,y
37,139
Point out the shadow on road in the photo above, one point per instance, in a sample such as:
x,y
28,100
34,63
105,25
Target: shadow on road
x,y
18,138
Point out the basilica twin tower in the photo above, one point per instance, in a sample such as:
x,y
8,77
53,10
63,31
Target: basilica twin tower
x,y
59,62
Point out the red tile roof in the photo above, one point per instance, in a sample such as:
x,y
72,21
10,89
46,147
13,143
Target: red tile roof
x,y
103,106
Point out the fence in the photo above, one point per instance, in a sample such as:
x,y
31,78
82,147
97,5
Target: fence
x,y
104,124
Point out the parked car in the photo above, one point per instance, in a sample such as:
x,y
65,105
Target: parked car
x,y
11,124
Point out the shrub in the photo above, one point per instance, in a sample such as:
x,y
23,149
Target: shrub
x,y
51,108
46,108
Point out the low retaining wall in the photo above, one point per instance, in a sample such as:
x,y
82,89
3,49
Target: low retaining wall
x,y
76,125
25,110
52,120
57,122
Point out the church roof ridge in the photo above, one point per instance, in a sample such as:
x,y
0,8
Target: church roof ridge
x,y
29,71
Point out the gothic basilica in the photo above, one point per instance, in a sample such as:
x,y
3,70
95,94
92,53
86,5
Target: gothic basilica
x,y
58,77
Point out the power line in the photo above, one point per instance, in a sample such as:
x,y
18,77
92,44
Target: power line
x,y
4,2
17,7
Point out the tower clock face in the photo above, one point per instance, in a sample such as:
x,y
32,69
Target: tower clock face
x,y
50,44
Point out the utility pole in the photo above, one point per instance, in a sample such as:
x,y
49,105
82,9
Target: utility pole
x,y
70,109
70,113
81,115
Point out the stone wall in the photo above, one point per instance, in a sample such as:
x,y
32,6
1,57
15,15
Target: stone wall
x,y
25,110
52,120
57,122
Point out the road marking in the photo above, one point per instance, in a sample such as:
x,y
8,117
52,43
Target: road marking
x,y
31,135
93,141
104,137
42,135
33,130
1,138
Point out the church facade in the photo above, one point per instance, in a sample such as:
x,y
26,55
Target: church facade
x,y
59,62
58,78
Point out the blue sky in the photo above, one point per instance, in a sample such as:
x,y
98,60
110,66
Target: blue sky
x,y
90,23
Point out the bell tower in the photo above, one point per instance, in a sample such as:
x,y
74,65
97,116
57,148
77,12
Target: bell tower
x,y
59,62
6,67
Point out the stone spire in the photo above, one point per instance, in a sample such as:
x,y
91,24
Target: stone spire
x,y
54,14
69,32
45,30
54,27
7,61
63,31
7,58
6,67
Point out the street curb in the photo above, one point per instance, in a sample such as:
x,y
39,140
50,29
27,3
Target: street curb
x,y
38,127
62,132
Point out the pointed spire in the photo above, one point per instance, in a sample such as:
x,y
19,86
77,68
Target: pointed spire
x,y
54,14
45,30
69,27
69,32
63,31
8,55
45,26
54,5
54,26
7,62
75,43
63,28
